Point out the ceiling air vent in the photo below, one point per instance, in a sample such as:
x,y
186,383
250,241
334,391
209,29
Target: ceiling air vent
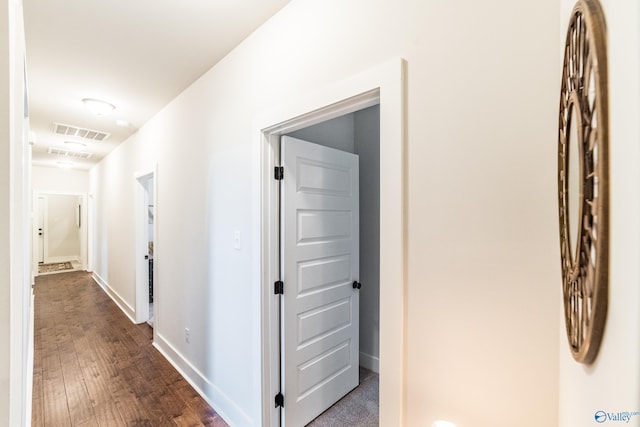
x,y
71,154
95,135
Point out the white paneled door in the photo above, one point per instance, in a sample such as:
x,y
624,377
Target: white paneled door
x,y
320,244
42,207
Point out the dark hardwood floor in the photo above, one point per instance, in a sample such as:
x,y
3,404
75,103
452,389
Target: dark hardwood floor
x,y
93,367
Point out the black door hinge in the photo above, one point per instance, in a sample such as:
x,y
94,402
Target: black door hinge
x,y
279,172
279,400
278,287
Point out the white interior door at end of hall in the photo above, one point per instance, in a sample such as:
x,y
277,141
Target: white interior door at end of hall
x,y
42,202
320,244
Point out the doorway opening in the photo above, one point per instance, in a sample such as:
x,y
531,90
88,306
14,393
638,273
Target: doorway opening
x,y
383,86
59,232
146,248
357,133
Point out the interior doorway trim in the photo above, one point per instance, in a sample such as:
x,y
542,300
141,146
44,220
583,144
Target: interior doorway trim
x,y
384,85
142,245
84,227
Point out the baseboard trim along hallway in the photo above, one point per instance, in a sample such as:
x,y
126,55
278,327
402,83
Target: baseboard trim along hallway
x,y
93,366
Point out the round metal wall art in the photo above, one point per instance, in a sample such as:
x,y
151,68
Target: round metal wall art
x,y
583,180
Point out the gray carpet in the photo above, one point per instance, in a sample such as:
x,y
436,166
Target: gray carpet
x,y
358,408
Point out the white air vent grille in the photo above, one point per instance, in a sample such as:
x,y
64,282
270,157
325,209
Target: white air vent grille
x,y
95,135
71,154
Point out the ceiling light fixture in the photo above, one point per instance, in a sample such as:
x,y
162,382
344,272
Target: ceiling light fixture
x,y
96,106
74,146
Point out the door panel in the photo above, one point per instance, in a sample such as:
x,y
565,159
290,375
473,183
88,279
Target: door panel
x,y
42,201
320,238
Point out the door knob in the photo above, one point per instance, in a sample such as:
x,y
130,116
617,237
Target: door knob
x,y
356,284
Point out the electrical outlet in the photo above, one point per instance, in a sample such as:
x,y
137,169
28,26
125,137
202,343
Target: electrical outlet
x,y
187,333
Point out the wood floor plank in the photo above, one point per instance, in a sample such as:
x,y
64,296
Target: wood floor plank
x,y
205,412
78,401
130,408
107,415
188,418
93,367
89,422
97,386
156,411
37,403
56,411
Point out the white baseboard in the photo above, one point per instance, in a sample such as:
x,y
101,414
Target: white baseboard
x,y
370,362
120,302
30,358
220,402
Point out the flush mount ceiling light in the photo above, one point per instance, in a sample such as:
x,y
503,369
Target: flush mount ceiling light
x,y
96,106
74,146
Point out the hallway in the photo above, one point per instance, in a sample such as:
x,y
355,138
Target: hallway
x,y
93,367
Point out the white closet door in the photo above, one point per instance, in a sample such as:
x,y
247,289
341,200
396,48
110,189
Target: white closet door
x,y
320,243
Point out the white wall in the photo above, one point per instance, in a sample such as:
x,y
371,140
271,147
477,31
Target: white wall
x,y
612,383
5,224
62,232
112,186
15,158
58,180
483,272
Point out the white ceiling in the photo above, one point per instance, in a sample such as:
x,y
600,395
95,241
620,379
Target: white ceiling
x,y
135,54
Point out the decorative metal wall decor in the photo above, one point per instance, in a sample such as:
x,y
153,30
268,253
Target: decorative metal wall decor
x,y
583,180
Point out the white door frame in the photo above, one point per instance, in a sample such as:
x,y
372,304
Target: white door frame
x,y
384,85
142,245
84,226
91,231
